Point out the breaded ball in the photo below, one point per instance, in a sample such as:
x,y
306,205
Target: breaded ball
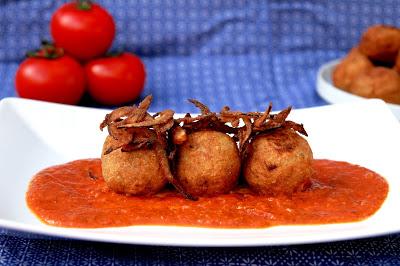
x,y
279,162
350,67
380,82
381,43
136,173
208,163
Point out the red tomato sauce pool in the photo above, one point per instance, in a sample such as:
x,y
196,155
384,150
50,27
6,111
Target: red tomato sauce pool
x,y
75,195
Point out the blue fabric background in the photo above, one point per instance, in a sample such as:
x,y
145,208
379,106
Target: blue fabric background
x,y
222,52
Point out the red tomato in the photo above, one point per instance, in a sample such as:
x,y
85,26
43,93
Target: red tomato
x,y
60,80
85,31
115,80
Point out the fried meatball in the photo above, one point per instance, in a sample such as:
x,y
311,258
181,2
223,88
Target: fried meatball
x,y
208,163
279,162
381,43
350,67
136,173
380,82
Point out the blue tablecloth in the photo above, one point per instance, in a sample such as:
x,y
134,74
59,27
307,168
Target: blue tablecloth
x,y
238,53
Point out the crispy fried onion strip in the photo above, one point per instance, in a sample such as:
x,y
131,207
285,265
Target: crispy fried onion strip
x,y
207,120
257,123
124,125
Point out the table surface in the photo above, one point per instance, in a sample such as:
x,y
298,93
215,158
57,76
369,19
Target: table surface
x,y
238,53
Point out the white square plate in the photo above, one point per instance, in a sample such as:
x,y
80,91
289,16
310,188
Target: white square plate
x,y
35,135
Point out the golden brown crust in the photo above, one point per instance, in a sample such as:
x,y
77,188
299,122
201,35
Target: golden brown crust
x,y
380,82
208,163
381,43
280,162
354,64
136,173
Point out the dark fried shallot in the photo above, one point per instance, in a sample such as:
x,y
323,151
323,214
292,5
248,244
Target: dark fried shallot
x,y
123,122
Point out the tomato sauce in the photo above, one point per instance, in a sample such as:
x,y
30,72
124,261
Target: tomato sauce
x,y
75,195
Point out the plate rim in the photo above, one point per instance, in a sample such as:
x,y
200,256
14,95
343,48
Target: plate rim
x,y
107,237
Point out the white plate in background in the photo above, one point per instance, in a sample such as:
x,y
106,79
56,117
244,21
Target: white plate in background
x,y
332,94
35,135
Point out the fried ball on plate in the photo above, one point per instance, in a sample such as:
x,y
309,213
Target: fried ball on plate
x,y
380,82
350,67
381,43
208,163
136,172
279,162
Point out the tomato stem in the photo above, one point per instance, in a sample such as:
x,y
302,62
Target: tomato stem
x,y
114,54
47,51
84,4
